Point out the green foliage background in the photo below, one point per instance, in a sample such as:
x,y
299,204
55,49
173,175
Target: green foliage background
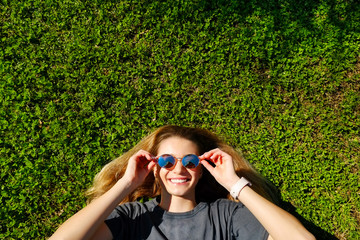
x,y
83,81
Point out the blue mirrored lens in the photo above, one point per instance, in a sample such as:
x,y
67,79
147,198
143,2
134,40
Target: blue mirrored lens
x,y
190,161
166,161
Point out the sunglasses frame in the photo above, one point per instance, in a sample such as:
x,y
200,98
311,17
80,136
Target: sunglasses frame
x,y
178,159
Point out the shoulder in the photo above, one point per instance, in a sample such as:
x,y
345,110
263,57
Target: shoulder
x,y
244,224
226,204
230,209
224,208
133,209
225,201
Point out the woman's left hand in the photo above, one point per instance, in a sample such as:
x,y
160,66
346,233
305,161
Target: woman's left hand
x,y
224,171
279,223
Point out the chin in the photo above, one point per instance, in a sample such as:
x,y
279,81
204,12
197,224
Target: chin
x,y
178,192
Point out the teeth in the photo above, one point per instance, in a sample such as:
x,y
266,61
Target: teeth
x,y
178,180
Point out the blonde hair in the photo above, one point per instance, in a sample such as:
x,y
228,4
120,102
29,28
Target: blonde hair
x,y
207,189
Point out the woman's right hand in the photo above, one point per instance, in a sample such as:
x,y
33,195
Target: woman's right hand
x,y
88,223
139,166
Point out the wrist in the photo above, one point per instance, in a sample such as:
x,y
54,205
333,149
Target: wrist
x,y
238,187
126,184
232,182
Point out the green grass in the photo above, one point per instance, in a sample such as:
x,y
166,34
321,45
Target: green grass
x,y
83,81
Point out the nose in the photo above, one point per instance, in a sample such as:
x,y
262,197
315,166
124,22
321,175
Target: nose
x,y
178,168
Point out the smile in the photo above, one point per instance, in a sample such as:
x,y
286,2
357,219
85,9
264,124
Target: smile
x,y
179,180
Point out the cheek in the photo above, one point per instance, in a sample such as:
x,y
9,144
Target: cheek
x,y
161,172
198,172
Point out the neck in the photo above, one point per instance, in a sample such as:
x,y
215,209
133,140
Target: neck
x,y
177,204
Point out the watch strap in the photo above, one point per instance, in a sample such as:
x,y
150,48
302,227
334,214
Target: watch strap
x,y
238,186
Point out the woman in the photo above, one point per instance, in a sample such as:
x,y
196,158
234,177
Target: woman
x,y
193,172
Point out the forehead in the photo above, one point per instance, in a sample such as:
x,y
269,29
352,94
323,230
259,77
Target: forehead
x,y
178,147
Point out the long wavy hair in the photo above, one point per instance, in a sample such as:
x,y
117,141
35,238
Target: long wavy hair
x,y
207,189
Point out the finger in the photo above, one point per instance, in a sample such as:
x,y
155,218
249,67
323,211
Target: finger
x,y
148,161
143,158
217,158
207,166
152,160
214,154
209,153
149,156
151,165
145,154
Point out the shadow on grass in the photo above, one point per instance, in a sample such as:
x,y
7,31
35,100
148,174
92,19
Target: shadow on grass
x,y
342,14
319,233
289,26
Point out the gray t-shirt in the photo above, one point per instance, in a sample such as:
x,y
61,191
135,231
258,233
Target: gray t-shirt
x,y
222,219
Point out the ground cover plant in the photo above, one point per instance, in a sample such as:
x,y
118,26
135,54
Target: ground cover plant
x,y
82,81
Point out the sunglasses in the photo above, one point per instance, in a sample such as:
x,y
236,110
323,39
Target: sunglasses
x,y
168,161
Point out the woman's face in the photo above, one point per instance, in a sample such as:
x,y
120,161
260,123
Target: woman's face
x,y
178,181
